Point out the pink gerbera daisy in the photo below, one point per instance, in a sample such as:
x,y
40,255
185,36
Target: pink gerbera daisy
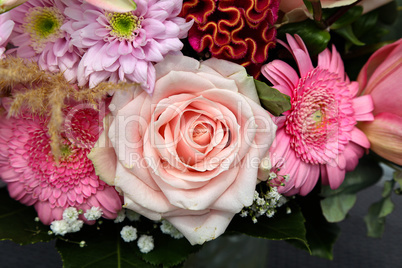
x,y
35,178
318,134
38,36
124,46
6,27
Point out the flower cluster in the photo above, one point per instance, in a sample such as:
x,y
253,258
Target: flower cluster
x,y
90,45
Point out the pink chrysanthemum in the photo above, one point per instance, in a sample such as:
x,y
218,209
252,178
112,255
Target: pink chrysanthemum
x,y
123,46
39,36
35,178
318,135
6,28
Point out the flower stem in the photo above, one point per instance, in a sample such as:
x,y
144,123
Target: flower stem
x,y
317,13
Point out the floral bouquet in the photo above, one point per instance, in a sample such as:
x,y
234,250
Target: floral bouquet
x,y
135,132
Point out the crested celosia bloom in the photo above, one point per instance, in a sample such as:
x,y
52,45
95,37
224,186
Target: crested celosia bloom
x,y
238,31
318,134
33,175
6,27
124,46
38,36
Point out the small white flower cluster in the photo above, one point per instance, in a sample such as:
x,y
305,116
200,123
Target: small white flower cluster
x,y
168,228
70,222
93,213
265,205
145,243
131,215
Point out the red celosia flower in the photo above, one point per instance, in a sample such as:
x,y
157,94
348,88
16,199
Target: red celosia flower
x,y
239,31
34,177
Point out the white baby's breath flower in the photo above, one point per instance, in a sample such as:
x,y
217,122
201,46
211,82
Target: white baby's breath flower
x,y
132,215
93,213
120,216
168,228
75,226
145,243
70,214
60,227
128,233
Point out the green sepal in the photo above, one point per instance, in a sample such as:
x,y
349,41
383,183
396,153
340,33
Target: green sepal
x,y
17,222
315,38
271,99
338,202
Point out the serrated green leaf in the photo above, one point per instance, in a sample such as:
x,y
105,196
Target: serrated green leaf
x,y
315,38
321,235
349,35
17,222
271,99
281,226
336,207
349,17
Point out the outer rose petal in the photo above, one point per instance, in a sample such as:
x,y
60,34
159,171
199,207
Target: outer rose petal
x,y
114,5
385,135
103,152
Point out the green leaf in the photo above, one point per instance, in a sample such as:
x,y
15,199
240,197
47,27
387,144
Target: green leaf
x,y
271,99
281,226
336,207
315,38
321,235
231,251
348,34
375,219
17,222
389,12
397,176
349,17
338,202
106,248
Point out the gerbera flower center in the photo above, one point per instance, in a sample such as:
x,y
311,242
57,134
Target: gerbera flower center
x,y
124,25
43,25
316,122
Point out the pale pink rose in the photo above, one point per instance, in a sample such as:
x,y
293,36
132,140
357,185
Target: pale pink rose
x,y
381,78
190,152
